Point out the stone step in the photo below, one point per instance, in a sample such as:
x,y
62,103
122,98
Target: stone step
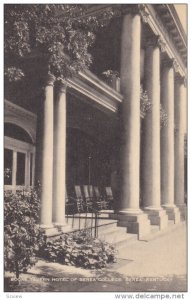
x,y
130,238
125,241
154,229
107,227
108,231
82,222
117,236
111,231
103,229
155,233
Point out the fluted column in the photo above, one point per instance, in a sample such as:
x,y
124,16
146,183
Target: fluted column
x,y
167,142
47,155
130,214
150,152
59,156
180,102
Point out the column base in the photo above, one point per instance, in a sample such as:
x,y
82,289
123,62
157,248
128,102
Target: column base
x,y
137,222
49,230
62,228
157,216
183,211
172,212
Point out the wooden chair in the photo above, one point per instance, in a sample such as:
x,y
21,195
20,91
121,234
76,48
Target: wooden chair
x,y
109,196
70,204
101,203
79,199
88,194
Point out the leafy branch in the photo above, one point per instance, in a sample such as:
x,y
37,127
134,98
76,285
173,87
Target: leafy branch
x,y
61,33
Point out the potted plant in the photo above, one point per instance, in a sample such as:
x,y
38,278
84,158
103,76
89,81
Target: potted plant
x,y
112,78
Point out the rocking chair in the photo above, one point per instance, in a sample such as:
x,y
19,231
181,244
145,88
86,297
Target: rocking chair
x,y
88,194
109,196
79,199
100,201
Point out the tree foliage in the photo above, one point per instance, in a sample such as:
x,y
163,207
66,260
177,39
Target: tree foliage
x,y
61,33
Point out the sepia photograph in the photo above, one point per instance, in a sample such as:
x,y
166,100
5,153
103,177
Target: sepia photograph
x,y
95,148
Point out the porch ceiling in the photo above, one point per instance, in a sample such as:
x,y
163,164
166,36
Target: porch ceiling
x,y
96,123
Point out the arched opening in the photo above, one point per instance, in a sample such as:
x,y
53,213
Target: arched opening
x,y
17,132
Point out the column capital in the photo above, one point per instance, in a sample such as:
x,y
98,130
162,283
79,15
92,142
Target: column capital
x,y
61,86
169,62
180,79
176,65
136,9
156,41
161,43
49,80
185,81
143,12
130,9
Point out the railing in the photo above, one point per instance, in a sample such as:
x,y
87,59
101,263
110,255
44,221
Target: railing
x,y
83,216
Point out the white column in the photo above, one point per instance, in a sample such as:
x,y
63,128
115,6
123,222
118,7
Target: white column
x,y
130,214
180,101
14,171
59,157
130,88
27,169
150,152
47,156
167,143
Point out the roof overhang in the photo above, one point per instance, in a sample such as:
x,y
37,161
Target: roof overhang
x,y
91,87
164,21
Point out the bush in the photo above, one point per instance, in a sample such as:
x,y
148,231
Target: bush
x,y
79,249
163,117
22,235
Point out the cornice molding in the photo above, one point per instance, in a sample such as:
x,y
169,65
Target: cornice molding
x,y
22,111
21,117
106,89
77,86
144,13
158,29
89,85
176,21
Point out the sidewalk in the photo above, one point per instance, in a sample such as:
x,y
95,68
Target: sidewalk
x,y
158,265
166,255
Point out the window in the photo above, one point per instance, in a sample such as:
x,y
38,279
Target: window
x,y
19,158
8,158
20,177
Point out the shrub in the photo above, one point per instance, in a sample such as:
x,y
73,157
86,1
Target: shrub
x,y
145,103
163,117
146,106
22,236
79,249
